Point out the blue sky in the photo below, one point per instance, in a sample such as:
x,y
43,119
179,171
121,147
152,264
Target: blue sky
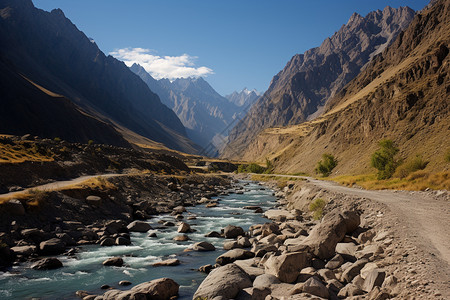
x,y
233,44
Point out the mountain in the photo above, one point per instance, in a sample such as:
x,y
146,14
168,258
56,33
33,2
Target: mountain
x,y
47,49
206,115
402,94
244,98
299,92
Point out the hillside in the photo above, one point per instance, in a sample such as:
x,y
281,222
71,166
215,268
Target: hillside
x,y
48,49
401,95
243,98
299,92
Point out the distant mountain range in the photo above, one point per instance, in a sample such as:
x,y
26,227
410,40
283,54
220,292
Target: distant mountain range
x,y
57,82
300,91
402,94
206,115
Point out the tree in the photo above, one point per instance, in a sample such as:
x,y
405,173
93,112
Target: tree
x,y
326,165
384,159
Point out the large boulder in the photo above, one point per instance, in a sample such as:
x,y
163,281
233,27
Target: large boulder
x,y
94,200
315,287
324,237
139,226
48,263
158,289
14,207
353,270
231,231
373,279
184,228
265,280
167,262
24,250
233,255
52,247
225,282
286,267
203,246
113,261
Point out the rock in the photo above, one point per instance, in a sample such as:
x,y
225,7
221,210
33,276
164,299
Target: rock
x,y
279,215
306,273
369,251
158,289
265,280
243,242
233,255
270,228
139,226
203,246
14,207
52,247
213,234
49,263
366,236
249,267
324,237
24,250
181,238
335,262
353,270
350,290
206,268
373,279
326,274
253,293
66,239
179,209
231,245
346,249
113,261
315,287
224,282
152,235
334,286
231,231
212,204
167,262
122,241
379,294
184,228
33,234
107,242
94,200
124,283
390,282
367,269
286,266
104,287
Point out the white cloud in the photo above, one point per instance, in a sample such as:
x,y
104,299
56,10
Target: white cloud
x,y
170,67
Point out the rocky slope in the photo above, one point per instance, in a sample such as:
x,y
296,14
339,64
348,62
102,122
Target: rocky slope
x,y
244,98
401,95
49,50
309,80
205,114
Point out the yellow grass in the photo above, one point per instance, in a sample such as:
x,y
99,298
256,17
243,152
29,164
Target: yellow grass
x,y
19,153
417,181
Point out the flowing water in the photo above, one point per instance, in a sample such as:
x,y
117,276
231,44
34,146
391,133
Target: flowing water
x,y
86,272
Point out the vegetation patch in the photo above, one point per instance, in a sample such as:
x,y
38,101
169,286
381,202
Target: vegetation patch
x,y
410,166
316,207
384,159
326,165
18,152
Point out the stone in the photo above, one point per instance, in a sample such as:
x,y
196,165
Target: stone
x,y
369,251
124,282
203,246
350,290
335,262
179,209
66,239
49,263
213,234
243,242
106,242
269,228
249,267
346,249
324,237
265,280
158,289
231,245
390,282
315,287
286,267
113,261
167,262
353,270
373,279
184,228
206,268
279,215
14,207
152,235
326,274
52,247
94,200
367,269
233,255
104,287
181,238
231,231
379,294
122,241
253,293
225,282
366,236
306,273
139,226
24,250
33,234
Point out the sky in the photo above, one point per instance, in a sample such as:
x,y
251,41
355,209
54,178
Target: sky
x,y
233,44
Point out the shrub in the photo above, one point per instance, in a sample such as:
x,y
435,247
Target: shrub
x,y
251,168
269,167
316,207
326,165
57,139
90,142
413,165
384,159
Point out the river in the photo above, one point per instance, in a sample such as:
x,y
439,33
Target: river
x,y
86,272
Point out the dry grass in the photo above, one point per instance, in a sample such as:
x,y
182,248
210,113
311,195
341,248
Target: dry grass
x,y
281,181
416,181
21,152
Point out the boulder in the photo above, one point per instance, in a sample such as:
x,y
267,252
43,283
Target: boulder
x,y
225,282
116,226
373,279
179,209
205,269
66,239
279,215
6,256
122,241
139,226
124,283
265,280
14,207
350,290
203,246
33,234
353,270
315,287
253,293
184,228
106,242
233,255
158,289
249,267
181,238
346,249
286,267
231,245
52,247
94,200
306,273
335,262
24,250
324,237
48,263
243,242
213,234
167,262
366,236
231,231
113,261
269,228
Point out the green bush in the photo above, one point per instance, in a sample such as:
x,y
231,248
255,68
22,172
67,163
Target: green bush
x,y
413,165
269,167
326,165
316,207
251,168
384,159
